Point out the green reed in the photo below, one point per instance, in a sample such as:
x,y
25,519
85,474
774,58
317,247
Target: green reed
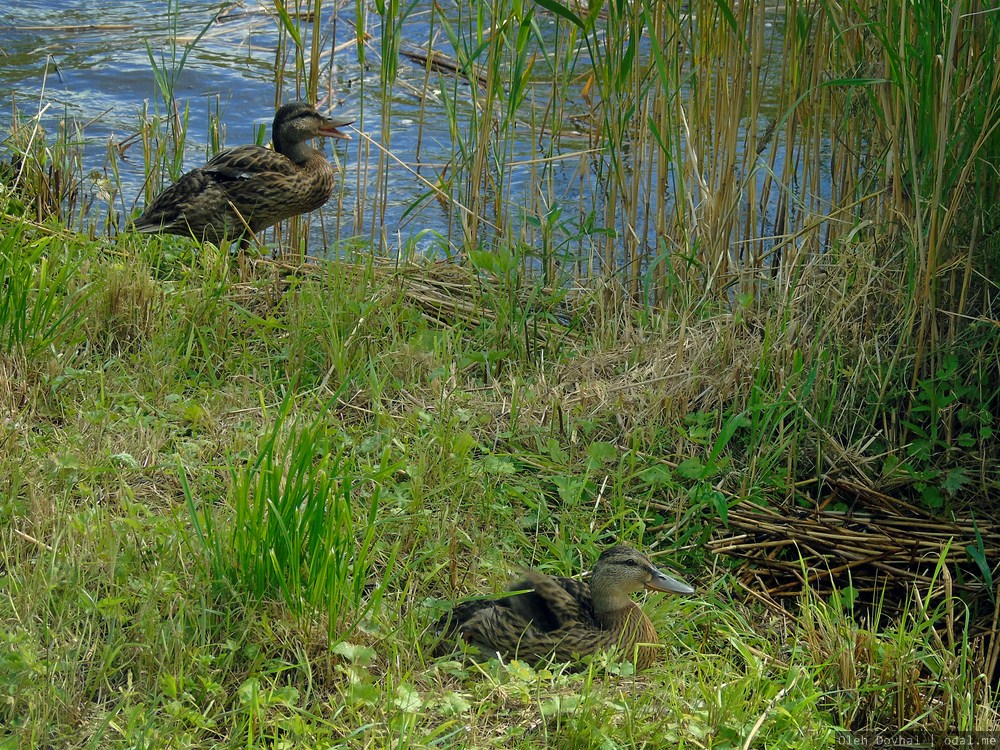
x,y
709,131
297,532
167,65
37,311
45,175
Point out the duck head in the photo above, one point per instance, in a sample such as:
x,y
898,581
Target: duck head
x,y
298,122
621,571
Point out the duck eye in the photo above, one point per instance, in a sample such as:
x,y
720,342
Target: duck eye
x,y
632,563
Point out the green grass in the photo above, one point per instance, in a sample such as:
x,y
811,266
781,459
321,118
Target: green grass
x,y
232,511
236,495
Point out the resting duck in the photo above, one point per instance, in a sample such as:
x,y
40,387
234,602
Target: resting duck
x,y
567,619
249,188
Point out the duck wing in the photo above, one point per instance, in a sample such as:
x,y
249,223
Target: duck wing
x,y
498,625
203,200
169,210
256,185
501,631
453,622
628,632
531,624
248,162
547,606
546,603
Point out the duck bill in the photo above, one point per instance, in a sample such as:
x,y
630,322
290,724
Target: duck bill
x,y
662,582
331,127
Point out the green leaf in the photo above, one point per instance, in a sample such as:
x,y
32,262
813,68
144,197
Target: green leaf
x,y
691,468
656,476
602,453
362,655
364,693
124,461
453,704
955,480
407,699
562,11
931,497
721,507
484,260
249,691
287,695
556,453
520,671
570,489
978,554
728,430
561,704
499,466
845,598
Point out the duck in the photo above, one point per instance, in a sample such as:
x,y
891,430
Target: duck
x,y
245,189
545,617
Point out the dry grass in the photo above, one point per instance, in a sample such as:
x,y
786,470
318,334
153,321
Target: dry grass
x,y
763,306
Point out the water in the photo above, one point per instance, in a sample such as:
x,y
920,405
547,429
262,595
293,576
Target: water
x,y
91,66
88,63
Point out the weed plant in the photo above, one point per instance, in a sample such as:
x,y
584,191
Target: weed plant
x,y
235,497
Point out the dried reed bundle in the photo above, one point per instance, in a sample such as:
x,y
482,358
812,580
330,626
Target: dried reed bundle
x,y
882,547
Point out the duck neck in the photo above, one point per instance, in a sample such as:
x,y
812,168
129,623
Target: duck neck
x,y
608,599
299,151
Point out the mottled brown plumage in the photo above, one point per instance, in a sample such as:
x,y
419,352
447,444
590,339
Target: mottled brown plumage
x,y
248,188
567,619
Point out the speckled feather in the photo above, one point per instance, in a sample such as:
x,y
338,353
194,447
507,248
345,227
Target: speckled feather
x,y
249,188
563,618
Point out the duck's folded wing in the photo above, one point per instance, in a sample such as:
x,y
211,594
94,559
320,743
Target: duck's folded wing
x,y
580,591
501,631
170,208
546,601
450,622
247,162
496,631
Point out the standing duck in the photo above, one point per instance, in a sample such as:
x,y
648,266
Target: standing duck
x,y
567,619
248,188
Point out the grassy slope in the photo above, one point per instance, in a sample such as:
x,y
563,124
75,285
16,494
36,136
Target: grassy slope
x,y
481,454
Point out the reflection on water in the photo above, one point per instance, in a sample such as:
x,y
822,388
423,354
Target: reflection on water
x,y
90,62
